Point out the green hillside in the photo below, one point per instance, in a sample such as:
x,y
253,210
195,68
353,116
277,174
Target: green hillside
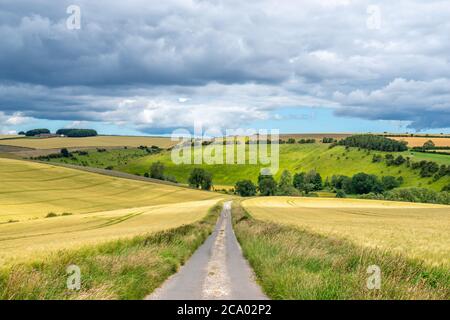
x,y
293,157
296,158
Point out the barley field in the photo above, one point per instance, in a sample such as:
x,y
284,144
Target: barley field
x,y
98,141
415,230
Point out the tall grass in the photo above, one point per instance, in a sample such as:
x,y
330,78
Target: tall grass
x,y
126,269
291,263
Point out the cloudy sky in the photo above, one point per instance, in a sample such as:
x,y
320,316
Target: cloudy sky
x,y
149,67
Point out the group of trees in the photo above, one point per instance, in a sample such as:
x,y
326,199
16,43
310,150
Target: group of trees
x,y
35,132
363,183
293,141
328,140
373,142
77,132
287,184
65,132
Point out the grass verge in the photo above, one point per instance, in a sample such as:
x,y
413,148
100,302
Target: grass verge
x,y
291,263
125,269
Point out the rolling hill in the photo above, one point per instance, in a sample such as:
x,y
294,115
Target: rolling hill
x,y
297,157
45,207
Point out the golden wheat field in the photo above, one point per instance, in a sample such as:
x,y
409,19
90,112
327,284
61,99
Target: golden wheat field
x,y
419,141
32,190
416,230
29,239
89,207
98,141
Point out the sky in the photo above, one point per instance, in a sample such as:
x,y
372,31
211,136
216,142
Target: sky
x,y
144,67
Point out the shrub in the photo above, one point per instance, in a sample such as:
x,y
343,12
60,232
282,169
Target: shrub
x,y
157,170
245,188
51,215
341,194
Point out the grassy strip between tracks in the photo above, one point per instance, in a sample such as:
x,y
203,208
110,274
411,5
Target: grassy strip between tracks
x,y
125,269
292,263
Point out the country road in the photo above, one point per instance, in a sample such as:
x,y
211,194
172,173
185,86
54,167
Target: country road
x,y
216,271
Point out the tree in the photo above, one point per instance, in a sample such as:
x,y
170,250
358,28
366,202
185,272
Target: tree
x,y
291,141
285,186
21,133
199,178
390,182
245,188
157,170
299,180
428,145
363,183
267,185
65,153
314,178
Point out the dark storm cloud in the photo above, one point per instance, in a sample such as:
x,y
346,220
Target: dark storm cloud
x,y
229,61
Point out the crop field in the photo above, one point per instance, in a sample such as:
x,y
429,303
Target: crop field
x,y
418,231
297,158
88,207
98,141
32,190
32,238
419,141
9,136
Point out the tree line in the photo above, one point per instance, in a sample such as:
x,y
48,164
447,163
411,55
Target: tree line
x,y
373,142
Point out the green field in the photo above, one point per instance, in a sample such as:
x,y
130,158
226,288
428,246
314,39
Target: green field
x,y
294,158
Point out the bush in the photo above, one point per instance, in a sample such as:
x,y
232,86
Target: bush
x,y
245,188
157,170
65,153
51,215
390,182
341,194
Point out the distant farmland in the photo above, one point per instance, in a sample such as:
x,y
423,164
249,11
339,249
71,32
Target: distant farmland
x,y
98,141
419,141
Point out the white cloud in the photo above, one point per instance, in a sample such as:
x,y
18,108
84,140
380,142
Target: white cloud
x,y
228,62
